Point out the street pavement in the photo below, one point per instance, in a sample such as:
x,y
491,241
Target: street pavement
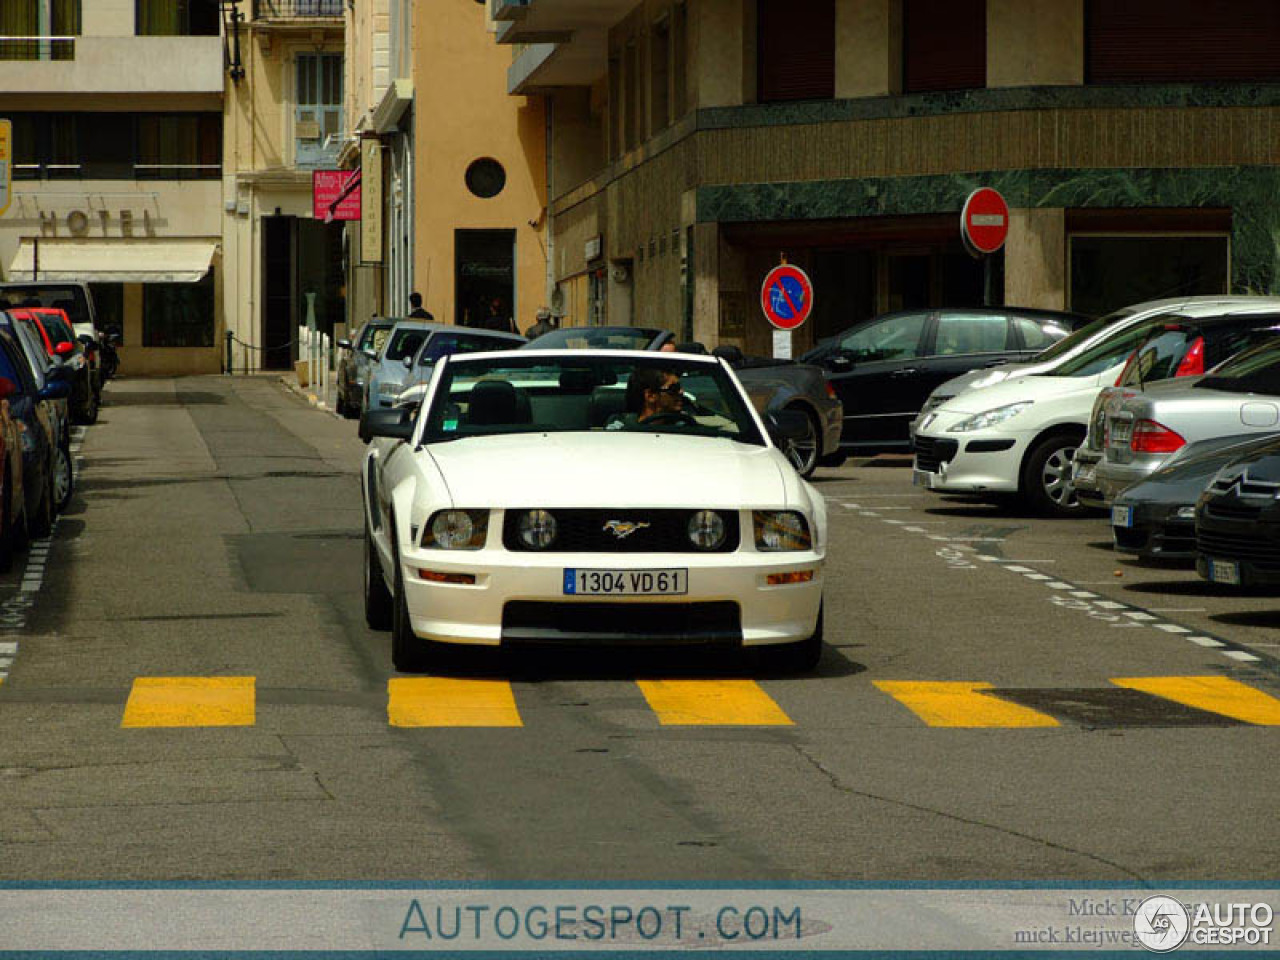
x,y
190,692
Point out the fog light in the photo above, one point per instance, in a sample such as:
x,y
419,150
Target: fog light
x,y
706,530
795,576
1186,513
435,576
537,529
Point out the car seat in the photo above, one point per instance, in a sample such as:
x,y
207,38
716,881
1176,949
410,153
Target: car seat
x,y
497,402
606,402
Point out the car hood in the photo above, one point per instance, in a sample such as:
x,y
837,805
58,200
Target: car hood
x,y
1024,388
610,469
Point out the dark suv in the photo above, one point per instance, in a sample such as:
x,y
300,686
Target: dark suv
x,y
1238,522
884,369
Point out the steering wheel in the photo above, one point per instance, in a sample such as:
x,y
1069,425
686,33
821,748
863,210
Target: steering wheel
x,y
669,416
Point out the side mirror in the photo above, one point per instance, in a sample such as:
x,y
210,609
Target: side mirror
x,y
785,426
7,387
64,349
371,354
55,390
344,344
394,423
87,340
408,362
839,363
114,338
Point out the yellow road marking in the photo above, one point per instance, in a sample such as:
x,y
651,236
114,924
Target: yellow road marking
x,y
190,702
446,702
1215,694
712,702
953,704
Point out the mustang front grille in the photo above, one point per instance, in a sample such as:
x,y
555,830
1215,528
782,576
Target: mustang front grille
x,y
624,530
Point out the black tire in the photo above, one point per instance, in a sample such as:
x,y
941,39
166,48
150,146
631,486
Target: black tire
x,y
804,453
377,599
836,459
799,657
409,652
64,476
87,413
1046,476
8,529
41,525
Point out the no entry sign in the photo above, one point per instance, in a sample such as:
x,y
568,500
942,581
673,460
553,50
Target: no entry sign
x,y
984,222
787,297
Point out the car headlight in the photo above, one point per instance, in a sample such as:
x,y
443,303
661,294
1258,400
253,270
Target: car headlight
x,y
706,530
1186,513
389,388
457,530
781,530
537,529
989,418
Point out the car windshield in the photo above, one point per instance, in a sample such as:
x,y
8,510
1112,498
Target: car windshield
x,y
596,338
404,343
1077,337
1256,370
1112,350
448,343
66,297
483,396
374,337
57,328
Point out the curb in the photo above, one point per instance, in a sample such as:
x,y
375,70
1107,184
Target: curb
x,y
311,398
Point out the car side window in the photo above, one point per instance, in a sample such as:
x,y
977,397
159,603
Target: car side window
x,y
894,338
1038,334
962,333
14,366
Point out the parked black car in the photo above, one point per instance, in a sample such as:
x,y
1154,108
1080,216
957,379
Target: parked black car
x,y
1154,519
885,368
1238,522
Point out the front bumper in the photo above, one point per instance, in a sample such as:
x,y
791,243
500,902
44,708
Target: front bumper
x,y
1153,531
1112,478
1243,544
520,597
1084,476
977,463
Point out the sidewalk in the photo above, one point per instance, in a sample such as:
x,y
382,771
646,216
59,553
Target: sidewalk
x,y
290,380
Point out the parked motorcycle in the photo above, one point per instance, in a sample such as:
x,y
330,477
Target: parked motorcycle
x,y
110,358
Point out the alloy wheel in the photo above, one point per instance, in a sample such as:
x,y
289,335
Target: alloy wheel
x,y
1056,478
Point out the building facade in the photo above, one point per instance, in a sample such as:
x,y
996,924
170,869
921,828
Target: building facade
x,y
459,166
117,115
695,143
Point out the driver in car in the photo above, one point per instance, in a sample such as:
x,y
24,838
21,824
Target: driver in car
x,y
654,397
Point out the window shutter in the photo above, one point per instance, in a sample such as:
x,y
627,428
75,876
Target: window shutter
x,y
796,50
944,45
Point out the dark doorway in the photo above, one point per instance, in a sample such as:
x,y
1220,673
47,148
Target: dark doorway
x,y
279,322
485,267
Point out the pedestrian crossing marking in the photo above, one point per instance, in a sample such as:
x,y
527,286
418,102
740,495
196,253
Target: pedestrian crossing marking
x,y
712,703
190,702
1215,694
446,702
962,704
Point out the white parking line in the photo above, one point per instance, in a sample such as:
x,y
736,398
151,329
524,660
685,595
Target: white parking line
x,y
1171,628
1239,655
1020,569
1139,615
1037,576
1206,641
1110,605
8,648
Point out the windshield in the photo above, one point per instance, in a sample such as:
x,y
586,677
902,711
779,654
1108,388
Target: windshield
x,y
69,298
373,337
57,328
404,343
1256,370
1073,340
509,394
596,338
447,344
1112,350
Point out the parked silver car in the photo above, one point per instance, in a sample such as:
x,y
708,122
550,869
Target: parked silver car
x,y
444,340
387,373
1239,397
358,355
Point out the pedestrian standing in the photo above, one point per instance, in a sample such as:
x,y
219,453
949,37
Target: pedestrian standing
x,y
542,324
416,310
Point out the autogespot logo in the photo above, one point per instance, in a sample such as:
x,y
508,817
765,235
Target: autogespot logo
x,y
1161,924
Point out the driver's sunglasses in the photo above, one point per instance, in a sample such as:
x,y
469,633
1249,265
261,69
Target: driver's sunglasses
x,y
672,388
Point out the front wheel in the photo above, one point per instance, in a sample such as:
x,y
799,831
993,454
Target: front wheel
x,y
377,599
409,652
63,476
803,451
88,412
42,523
1046,476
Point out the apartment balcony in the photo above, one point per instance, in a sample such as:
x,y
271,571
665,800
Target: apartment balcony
x,y
109,66
555,21
290,12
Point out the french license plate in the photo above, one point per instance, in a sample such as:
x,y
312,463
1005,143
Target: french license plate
x,y
1122,516
626,583
921,478
1224,571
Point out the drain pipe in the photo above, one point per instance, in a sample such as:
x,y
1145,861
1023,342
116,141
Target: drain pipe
x,y
550,245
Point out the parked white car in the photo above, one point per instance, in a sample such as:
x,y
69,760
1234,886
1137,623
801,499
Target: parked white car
x,y
589,496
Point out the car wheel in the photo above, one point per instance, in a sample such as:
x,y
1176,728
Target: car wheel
x,y
409,652
836,459
64,477
8,529
41,524
88,412
803,452
1046,476
799,657
377,599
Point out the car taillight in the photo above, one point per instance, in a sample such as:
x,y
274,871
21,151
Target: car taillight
x,y
1151,437
1192,364
1127,364
831,391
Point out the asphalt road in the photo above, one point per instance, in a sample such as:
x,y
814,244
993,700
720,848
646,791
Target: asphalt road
x,y
190,693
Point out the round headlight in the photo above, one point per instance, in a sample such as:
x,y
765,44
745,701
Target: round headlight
x,y
706,530
537,529
781,531
452,529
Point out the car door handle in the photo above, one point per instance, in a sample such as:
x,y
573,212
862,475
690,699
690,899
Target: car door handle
x,y
905,372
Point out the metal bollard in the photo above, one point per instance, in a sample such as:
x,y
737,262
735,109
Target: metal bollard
x,y
227,369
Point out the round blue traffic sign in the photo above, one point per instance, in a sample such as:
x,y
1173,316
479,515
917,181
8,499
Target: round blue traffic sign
x,y
786,297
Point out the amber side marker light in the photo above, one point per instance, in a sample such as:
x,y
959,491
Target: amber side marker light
x,y
436,576
795,576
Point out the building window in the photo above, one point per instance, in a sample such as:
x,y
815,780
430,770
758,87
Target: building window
x,y
1176,41
679,60
631,110
1108,272
660,75
615,134
179,146
45,146
318,120
178,314
26,27
177,18
944,45
108,303
796,50
486,178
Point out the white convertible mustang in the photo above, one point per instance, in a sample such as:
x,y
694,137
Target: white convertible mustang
x,y
589,497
